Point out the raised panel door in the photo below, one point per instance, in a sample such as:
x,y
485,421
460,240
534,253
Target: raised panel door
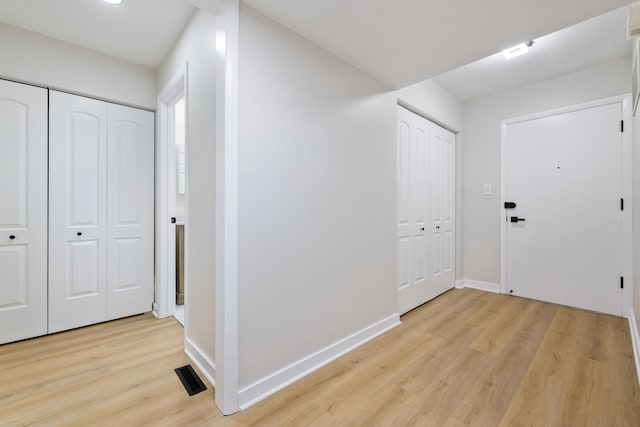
x,y
425,203
130,235
78,211
441,202
23,212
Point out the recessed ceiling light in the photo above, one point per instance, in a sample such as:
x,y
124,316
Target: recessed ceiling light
x,y
114,1
518,50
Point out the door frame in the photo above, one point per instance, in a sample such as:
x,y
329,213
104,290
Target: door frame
x,y
627,165
164,304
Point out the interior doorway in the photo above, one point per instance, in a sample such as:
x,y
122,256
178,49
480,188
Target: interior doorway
x,y
172,224
178,117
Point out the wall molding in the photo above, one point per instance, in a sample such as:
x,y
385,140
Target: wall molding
x,y
201,360
275,382
154,310
226,202
476,284
635,341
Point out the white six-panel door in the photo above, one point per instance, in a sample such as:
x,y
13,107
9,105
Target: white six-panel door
x,y
130,243
425,203
77,211
23,211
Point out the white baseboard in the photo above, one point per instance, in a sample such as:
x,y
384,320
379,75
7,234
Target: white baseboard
x,y
635,341
250,395
475,284
154,310
202,361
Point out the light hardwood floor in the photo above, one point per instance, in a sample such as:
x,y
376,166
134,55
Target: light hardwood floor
x,y
467,358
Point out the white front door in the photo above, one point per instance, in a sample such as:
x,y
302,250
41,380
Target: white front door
x,y
563,172
77,211
23,211
425,206
130,244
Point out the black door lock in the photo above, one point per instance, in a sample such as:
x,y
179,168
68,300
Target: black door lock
x,y
173,220
509,205
516,219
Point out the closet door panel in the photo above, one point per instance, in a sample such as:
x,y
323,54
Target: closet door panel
x,y
442,203
78,211
23,211
426,210
130,205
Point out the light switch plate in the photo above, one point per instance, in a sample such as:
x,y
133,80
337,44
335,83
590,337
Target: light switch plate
x,y
488,190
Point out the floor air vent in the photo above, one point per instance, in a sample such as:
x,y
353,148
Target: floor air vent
x,y
190,380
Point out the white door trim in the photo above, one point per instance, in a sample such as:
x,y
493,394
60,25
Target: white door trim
x,y
627,244
226,209
165,304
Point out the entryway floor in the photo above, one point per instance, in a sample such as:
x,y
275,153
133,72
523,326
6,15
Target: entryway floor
x,y
467,358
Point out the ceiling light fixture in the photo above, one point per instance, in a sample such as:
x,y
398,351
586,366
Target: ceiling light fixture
x,y
518,50
114,1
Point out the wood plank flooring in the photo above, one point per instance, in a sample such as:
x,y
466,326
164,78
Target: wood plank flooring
x,y
467,358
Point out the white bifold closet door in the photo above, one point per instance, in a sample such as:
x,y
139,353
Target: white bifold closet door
x,y
23,211
130,215
101,211
425,210
77,211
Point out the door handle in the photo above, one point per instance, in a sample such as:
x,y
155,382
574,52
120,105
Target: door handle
x,y
516,219
173,220
509,205
422,229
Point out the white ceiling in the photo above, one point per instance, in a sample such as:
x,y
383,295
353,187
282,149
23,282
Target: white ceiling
x,y
139,31
401,42
590,43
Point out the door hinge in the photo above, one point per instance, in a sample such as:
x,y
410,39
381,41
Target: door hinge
x,y
621,204
622,283
621,125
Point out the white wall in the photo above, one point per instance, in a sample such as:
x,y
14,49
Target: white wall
x,y
636,217
317,198
197,47
34,58
317,184
434,101
636,210
480,152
